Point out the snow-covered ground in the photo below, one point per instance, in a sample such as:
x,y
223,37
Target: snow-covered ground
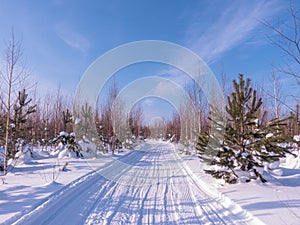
x,y
153,185
276,202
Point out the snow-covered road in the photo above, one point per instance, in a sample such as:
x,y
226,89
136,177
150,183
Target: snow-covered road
x,y
147,186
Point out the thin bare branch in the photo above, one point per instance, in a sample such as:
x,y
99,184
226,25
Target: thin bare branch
x,y
288,41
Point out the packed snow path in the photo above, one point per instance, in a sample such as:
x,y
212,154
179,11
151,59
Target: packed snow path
x,y
148,186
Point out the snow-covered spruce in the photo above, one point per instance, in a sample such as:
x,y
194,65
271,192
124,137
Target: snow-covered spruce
x,y
67,145
89,148
17,130
240,139
24,153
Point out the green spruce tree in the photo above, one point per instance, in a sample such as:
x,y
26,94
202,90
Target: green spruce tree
x,y
213,148
68,141
19,126
242,143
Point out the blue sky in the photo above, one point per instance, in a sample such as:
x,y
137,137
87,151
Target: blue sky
x,y
62,38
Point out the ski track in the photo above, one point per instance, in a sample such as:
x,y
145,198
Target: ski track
x,y
148,186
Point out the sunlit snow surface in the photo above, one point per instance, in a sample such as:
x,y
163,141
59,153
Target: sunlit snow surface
x,y
152,186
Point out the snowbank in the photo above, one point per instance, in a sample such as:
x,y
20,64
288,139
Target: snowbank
x,y
297,138
24,155
88,147
67,146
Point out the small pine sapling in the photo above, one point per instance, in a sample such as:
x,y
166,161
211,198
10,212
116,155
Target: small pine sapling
x,y
242,142
19,126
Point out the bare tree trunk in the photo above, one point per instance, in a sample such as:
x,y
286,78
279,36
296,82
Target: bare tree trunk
x,y
8,119
11,78
58,111
288,42
275,91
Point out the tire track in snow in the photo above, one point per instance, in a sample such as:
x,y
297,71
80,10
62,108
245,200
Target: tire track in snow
x,y
57,208
185,200
136,185
174,211
121,199
38,216
205,216
187,206
140,188
107,201
215,211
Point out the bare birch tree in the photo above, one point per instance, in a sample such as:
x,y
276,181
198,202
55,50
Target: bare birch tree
x,y
287,39
13,76
276,93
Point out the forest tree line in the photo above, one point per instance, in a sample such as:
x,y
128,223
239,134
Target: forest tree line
x,y
27,118
45,117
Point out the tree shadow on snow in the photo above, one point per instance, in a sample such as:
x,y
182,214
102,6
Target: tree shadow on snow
x,y
273,205
290,172
289,178
30,169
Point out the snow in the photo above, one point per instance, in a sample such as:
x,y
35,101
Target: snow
x,y
297,138
157,184
291,162
66,153
30,184
63,133
77,120
276,202
2,150
256,121
89,148
24,154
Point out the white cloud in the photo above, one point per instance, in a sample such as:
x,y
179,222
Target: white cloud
x,y
166,88
72,38
174,75
148,102
236,24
